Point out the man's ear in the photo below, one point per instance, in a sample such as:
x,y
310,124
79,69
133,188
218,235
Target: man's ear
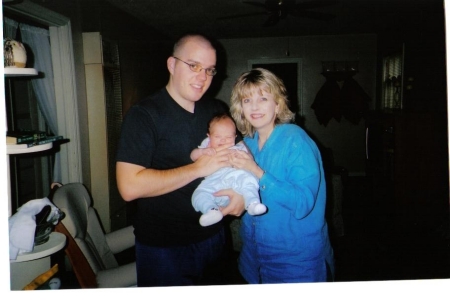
x,y
171,64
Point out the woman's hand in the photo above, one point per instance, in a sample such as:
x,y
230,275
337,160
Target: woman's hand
x,y
243,160
236,206
206,164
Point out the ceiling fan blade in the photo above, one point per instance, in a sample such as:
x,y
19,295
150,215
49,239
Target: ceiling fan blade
x,y
254,3
313,15
273,20
242,15
315,4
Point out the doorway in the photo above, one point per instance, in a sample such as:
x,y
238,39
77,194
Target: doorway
x,y
288,70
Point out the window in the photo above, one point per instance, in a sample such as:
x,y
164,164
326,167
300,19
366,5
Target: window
x,y
392,81
69,166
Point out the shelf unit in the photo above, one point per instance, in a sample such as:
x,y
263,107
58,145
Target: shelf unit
x,y
11,149
27,266
406,166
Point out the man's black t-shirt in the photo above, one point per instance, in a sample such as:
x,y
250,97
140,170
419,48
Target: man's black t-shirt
x,y
157,133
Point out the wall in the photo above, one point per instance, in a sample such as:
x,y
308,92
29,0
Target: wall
x,y
138,62
88,16
346,140
143,75
143,68
424,39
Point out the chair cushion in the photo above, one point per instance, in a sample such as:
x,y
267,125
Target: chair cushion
x,y
82,223
123,276
74,200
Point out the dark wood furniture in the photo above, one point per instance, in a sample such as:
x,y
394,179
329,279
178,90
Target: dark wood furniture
x,y
407,164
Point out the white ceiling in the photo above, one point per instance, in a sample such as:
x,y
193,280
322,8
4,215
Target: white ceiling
x,y
173,17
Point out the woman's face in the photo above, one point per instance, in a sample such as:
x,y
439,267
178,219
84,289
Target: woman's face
x,y
260,109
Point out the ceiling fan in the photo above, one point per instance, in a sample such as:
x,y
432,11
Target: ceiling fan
x,y
280,9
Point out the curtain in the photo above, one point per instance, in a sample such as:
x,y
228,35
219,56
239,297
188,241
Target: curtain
x,y
38,41
9,28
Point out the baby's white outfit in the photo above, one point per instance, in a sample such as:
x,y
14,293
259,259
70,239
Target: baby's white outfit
x,y
241,181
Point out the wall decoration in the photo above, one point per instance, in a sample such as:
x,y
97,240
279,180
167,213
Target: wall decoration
x,y
340,96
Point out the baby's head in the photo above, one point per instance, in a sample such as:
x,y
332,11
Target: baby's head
x,y
221,131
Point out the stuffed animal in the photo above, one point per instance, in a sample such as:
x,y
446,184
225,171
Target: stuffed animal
x,y
15,55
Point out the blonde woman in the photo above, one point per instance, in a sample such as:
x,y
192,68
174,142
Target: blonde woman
x,y
290,242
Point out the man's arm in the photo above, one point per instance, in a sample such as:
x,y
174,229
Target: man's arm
x,y
135,181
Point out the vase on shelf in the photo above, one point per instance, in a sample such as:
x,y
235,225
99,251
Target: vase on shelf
x,y
15,55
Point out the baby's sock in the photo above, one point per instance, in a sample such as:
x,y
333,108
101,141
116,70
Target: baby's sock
x,y
211,217
256,208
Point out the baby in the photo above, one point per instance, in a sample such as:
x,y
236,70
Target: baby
x,y
222,132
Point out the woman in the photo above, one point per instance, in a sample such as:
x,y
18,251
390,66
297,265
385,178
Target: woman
x,y
290,242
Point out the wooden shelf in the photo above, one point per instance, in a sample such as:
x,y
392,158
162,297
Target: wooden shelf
x,y
17,72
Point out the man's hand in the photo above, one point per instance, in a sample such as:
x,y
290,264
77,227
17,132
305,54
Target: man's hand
x,y
237,204
208,151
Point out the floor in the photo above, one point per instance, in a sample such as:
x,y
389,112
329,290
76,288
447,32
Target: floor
x,y
370,249
376,247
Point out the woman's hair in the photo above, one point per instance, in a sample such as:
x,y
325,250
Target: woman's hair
x,y
258,80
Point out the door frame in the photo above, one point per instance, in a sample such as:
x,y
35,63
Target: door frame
x,y
297,61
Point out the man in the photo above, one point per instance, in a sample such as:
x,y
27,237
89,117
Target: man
x,y
154,168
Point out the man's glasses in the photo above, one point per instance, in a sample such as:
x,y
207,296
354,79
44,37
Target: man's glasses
x,y
197,68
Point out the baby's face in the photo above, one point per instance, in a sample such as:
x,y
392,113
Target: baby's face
x,y
222,133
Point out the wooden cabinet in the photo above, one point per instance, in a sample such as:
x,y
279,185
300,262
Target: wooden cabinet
x,y
407,163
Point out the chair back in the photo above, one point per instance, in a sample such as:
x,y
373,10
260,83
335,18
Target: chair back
x,y
82,223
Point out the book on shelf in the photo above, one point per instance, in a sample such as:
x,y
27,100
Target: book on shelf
x,y
42,141
24,136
